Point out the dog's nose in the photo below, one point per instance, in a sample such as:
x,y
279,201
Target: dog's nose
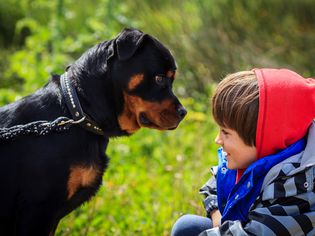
x,y
181,111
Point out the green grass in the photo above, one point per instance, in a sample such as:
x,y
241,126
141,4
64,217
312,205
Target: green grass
x,y
153,178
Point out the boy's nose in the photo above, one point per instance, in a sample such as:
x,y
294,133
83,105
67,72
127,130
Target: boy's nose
x,y
218,140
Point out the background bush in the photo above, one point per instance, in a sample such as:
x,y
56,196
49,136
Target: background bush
x,y
154,176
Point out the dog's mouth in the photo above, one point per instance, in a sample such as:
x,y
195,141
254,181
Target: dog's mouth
x,y
137,113
145,121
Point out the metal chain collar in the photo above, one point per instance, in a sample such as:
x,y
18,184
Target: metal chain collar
x,y
41,128
38,128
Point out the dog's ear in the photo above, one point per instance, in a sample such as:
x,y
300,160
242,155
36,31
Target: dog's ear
x,y
128,41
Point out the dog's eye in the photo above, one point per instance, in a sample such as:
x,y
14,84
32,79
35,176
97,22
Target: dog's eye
x,y
160,80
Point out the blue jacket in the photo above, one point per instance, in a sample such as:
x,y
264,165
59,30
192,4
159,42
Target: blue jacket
x,y
234,200
275,196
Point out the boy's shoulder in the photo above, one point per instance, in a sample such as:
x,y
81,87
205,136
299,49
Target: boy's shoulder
x,y
294,175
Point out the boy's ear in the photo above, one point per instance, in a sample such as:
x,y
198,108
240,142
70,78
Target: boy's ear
x,y
127,42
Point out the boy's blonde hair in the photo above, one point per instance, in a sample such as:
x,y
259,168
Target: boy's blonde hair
x,y
235,104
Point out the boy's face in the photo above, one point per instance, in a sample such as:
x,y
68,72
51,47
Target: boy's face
x,y
238,154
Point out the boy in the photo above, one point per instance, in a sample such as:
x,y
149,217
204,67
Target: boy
x,y
264,183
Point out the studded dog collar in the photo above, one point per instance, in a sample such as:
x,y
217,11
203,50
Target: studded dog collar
x,y
73,104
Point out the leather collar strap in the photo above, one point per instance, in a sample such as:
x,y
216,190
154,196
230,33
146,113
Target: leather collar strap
x,y
73,104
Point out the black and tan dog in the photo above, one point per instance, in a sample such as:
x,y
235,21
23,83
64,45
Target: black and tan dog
x,y
122,85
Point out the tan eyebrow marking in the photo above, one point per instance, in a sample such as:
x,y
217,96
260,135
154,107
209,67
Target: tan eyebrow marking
x,y
135,81
171,74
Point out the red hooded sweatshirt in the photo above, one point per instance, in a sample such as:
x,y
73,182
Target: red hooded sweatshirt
x,y
286,110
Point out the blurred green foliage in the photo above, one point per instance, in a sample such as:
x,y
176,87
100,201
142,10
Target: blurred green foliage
x,y
154,176
208,38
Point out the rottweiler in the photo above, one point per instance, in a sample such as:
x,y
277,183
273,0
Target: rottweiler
x,y
113,89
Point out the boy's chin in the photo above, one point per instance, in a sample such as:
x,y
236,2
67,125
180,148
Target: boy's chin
x,y
235,166
230,166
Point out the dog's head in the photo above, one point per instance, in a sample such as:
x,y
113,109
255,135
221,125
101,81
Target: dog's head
x,y
132,75
145,70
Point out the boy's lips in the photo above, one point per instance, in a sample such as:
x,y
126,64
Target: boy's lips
x,y
226,154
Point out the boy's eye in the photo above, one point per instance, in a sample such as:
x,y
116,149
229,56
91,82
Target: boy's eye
x,y
224,132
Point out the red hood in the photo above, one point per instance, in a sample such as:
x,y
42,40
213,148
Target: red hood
x,y
286,110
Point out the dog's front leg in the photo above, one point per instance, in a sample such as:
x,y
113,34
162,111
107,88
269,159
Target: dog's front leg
x,y
37,220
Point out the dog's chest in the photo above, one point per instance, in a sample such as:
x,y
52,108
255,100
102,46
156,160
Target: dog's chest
x,y
85,176
82,177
